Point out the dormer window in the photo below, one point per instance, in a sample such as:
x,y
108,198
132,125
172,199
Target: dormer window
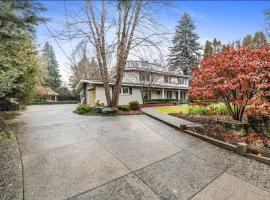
x,y
167,79
145,77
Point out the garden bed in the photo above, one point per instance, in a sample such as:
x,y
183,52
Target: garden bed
x,y
257,143
130,112
131,109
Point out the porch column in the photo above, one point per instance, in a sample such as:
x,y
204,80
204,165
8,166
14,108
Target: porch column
x,y
179,94
55,98
163,93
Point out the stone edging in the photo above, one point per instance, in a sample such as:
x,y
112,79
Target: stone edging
x,y
216,142
235,148
261,159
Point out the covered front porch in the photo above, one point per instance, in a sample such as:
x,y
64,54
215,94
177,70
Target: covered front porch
x,y
163,93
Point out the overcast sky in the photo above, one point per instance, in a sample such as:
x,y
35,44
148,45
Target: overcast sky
x,y
226,20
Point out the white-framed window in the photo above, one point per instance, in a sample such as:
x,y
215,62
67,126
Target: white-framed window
x,y
167,79
145,77
182,94
182,81
126,90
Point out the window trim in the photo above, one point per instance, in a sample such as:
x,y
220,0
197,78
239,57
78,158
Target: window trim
x,y
126,91
169,79
182,81
144,76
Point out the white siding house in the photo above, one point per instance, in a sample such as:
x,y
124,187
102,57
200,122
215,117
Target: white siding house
x,y
155,84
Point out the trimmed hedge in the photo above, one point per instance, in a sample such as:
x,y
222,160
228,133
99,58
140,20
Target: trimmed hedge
x,y
134,105
123,107
53,102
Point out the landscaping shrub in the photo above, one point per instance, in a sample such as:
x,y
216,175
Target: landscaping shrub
x,y
123,107
84,108
197,110
134,105
98,103
260,123
217,109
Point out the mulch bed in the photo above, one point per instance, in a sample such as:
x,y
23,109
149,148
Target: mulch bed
x,y
257,143
130,112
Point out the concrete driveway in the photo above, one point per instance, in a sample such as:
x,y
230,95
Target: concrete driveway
x,y
68,156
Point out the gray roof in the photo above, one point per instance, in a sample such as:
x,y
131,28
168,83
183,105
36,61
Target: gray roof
x,y
150,67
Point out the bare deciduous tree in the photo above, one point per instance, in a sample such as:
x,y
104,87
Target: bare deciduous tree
x,y
83,66
147,85
145,76
115,29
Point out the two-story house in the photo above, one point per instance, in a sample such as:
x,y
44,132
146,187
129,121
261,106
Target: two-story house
x,y
141,80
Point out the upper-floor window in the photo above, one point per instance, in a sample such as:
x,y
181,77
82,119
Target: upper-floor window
x,y
167,79
182,81
145,77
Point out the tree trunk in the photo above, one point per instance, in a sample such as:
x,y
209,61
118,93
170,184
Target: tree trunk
x,y
107,93
117,85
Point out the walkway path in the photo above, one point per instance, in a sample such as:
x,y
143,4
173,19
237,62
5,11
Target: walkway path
x,y
68,156
170,120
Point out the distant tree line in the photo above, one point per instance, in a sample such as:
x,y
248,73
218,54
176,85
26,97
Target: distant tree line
x,y
51,78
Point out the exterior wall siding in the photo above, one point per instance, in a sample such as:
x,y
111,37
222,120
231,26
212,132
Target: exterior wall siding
x,y
100,95
133,77
123,98
96,92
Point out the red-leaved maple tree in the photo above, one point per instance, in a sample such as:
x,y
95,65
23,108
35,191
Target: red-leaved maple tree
x,y
237,76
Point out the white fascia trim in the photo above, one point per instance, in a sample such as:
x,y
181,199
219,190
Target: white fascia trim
x,y
133,84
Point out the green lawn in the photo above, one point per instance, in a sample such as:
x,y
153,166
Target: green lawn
x,y
172,109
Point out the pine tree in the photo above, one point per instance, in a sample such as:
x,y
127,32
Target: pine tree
x,y
216,46
19,62
50,61
184,54
247,41
208,49
259,39
17,16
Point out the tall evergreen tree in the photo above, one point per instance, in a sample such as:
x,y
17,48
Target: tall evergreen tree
x,y
259,39
216,45
18,60
247,41
208,49
184,54
51,63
